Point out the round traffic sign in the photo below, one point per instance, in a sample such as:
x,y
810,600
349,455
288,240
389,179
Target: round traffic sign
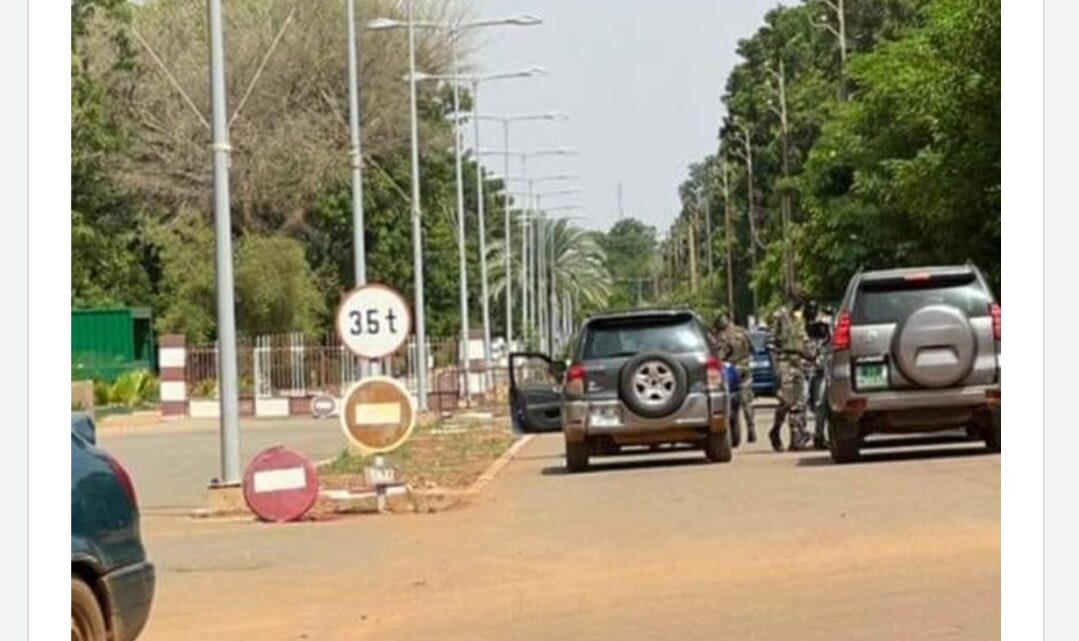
x,y
378,414
280,485
373,321
323,406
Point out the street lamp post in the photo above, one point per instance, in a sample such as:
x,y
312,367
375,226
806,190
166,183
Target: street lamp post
x,y
226,303
507,222
456,78
525,232
417,228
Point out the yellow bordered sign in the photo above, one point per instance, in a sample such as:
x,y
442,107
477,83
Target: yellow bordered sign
x,y
378,414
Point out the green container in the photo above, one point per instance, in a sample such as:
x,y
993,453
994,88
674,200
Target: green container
x,y
108,342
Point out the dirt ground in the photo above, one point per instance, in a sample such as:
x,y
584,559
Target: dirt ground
x,y
905,546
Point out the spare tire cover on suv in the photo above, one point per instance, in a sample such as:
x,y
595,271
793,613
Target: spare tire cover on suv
x,y
934,346
652,385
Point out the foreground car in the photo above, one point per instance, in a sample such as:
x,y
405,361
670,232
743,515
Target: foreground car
x,y
112,583
644,378
914,350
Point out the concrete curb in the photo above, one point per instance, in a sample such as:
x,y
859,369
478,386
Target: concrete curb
x,y
498,465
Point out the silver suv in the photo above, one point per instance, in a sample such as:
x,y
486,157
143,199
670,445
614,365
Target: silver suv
x,y
914,350
642,378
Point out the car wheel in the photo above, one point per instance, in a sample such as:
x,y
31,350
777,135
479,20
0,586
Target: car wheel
x,y
87,621
992,432
576,457
717,447
844,441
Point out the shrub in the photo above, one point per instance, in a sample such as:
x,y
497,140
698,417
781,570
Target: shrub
x,y
136,387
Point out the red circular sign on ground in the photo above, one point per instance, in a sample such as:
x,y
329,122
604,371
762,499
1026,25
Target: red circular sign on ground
x,y
280,485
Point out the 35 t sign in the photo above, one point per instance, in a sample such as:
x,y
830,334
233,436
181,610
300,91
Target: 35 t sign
x,y
373,321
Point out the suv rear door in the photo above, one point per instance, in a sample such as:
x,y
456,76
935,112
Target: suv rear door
x,y
922,330
535,393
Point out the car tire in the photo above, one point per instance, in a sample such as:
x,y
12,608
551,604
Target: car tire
x,y
87,620
844,441
678,393
576,457
992,432
717,447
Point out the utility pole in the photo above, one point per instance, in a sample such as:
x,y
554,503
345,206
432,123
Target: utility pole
x,y
359,254
417,221
728,237
226,302
462,271
707,210
840,32
621,212
785,197
694,281
747,155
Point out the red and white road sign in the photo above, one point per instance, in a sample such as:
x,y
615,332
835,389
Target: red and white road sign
x,y
280,485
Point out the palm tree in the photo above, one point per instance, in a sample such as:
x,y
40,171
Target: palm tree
x,y
577,267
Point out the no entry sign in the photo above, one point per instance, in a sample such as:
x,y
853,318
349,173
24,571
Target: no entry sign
x,y
378,414
373,321
280,485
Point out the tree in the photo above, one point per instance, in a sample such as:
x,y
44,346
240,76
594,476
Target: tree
x,y
107,250
630,247
276,290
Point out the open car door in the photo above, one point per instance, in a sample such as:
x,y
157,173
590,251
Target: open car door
x,y
535,393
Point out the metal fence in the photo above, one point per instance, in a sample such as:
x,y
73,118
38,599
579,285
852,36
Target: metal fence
x,y
284,365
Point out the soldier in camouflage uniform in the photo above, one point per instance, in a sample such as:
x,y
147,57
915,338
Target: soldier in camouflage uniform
x,y
790,344
733,345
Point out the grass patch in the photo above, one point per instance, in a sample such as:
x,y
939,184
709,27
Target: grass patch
x,y
441,454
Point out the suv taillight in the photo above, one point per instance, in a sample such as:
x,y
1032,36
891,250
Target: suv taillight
x,y
994,311
841,337
575,380
124,479
714,371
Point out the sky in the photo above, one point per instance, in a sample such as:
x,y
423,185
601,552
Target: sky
x,y
640,80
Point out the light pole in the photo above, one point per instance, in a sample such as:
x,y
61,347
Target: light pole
x,y
454,30
508,231
455,78
544,264
525,233
746,153
226,303
417,214
785,202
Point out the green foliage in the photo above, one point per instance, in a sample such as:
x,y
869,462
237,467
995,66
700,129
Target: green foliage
x,y
130,389
630,246
275,288
904,171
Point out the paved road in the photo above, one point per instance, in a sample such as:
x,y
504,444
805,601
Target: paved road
x,y
905,546
173,463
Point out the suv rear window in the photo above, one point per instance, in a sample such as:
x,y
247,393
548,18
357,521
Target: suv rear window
x,y
891,302
629,336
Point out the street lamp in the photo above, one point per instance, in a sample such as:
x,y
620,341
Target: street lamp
x,y
474,80
506,120
417,228
542,308
526,259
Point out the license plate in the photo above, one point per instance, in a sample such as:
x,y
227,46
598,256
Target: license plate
x,y
605,417
871,376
